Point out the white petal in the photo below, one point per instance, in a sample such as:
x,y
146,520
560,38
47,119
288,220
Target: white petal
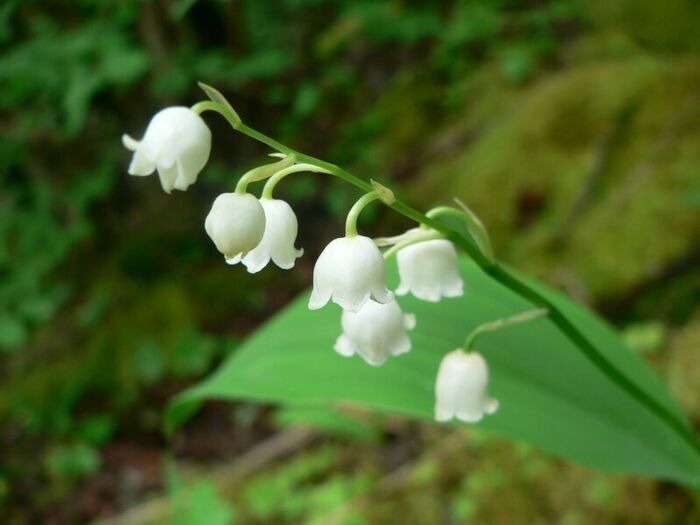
x,y
129,142
460,388
470,416
443,413
490,406
277,244
375,332
255,262
167,177
409,321
429,270
344,346
402,345
350,298
287,261
381,294
176,139
236,223
233,260
320,296
349,271
140,166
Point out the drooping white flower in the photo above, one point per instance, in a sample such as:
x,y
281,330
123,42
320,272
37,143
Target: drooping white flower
x,y
236,223
349,271
177,143
460,389
277,243
375,332
429,270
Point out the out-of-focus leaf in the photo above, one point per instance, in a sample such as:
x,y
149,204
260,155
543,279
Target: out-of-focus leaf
x,y
74,461
197,503
517,64
645,337
551,395
181,7
13,332
327,420
98,429
149,363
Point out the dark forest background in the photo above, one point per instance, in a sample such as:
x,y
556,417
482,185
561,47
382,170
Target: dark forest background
x,y
571,127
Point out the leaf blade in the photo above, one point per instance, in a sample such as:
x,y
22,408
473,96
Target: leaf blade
x,y
551,395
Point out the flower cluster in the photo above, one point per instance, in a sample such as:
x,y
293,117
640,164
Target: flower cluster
x,y
351,270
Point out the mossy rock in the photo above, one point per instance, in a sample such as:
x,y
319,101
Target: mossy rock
x,y
101,364
585,173
671,25
682,368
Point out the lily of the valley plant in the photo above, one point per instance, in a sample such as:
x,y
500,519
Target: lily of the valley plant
x,y
351,270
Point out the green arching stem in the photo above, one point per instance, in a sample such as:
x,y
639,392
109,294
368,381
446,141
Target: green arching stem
x,y
354,213
418,237
209,105
474,225
491,268
498,324
262,173
395,239
296,168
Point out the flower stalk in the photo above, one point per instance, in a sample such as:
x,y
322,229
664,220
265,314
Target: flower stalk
x,y
262,173
282,173
499,324
476,228
492,268
354,213
418,237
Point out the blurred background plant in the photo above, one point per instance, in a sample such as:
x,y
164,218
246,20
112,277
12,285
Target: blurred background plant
x,y
570,126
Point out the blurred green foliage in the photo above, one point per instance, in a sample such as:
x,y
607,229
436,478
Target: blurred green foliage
x,y
196,502
289,495
73,72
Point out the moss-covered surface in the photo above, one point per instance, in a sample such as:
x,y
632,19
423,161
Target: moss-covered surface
x,y
583,177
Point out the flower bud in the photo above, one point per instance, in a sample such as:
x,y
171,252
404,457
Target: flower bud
x,y
278,240
460,389
349,271
236,223
429,270
375,332
177,143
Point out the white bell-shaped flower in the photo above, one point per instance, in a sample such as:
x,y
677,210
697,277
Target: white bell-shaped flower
x,y
375,332
281,228
236,223
177,143
460,389
349,271
429,270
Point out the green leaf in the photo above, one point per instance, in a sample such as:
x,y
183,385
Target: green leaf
x,y
551,395
216,96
